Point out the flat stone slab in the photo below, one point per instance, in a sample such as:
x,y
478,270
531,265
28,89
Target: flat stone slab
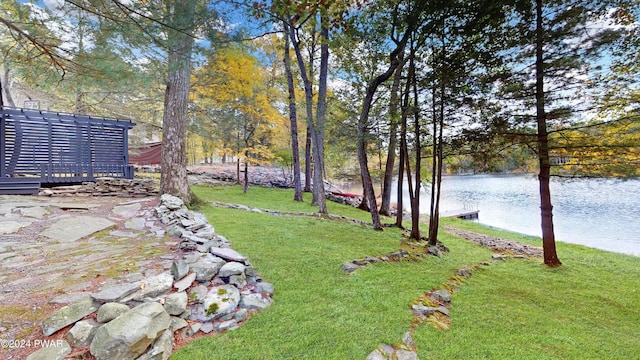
x,y
137,223
115,292
69,298
126,211
228,254
11,226
75,228
185,282
36,212
68,315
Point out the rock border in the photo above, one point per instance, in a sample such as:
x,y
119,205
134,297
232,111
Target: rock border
x,y
210,289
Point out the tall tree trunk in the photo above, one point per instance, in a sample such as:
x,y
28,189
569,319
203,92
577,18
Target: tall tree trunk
x,y
415,200
401,160
438,125
364,204
318,136
173,178
385,206
318,186
438,148
363,121
293,119
308,93
434,165
404,166
245,187
308,159
546,209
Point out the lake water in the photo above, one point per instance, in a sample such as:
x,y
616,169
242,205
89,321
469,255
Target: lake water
x,y
600,213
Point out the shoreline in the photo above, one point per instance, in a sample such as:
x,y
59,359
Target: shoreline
x,y
526,221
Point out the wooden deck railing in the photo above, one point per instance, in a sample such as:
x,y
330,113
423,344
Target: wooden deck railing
x,y
71,173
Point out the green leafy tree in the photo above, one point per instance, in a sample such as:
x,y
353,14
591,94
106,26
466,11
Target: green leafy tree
x,y
554,51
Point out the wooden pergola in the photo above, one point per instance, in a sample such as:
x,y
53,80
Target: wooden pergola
x,y
39,148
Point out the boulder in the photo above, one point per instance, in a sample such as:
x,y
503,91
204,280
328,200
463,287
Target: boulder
x,y
179,269
161,348
207,267
226,325
110,311
151,287
238,281
57,351
349,267
82,333
266,288
220,301
177,324
421,309
442,295
207,327
68,315
241,315
176,303
254,302
231,268
198,293
130,334
405,355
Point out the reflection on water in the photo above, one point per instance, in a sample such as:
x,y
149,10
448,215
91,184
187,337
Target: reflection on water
x,y
601,213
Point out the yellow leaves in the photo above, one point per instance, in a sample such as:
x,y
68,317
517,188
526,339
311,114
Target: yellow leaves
x,y
600,149
258,155
232,86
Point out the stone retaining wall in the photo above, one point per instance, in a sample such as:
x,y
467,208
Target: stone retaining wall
x,y
107,186
211,288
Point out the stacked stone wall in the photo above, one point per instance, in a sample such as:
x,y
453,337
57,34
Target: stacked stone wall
x,y
209,288
137,187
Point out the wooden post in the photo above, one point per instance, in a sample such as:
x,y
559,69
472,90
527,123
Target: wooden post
x,y
3,140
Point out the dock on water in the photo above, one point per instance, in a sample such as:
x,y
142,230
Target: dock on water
x,y
465,214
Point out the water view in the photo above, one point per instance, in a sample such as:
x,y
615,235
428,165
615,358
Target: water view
x,y
600,213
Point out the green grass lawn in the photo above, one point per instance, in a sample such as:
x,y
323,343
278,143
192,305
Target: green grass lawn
x,y
513,309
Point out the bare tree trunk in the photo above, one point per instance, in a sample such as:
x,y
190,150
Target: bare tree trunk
x,y
308,159
238,170
546,209
393,135
80,105
367,184
438,124
364,204
363,121
246,177
415,201
293,119
1,106
318,135
434,165
173,178
6,89
318,186
400,192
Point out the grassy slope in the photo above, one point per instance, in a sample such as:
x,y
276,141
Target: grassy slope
x,y
512,309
